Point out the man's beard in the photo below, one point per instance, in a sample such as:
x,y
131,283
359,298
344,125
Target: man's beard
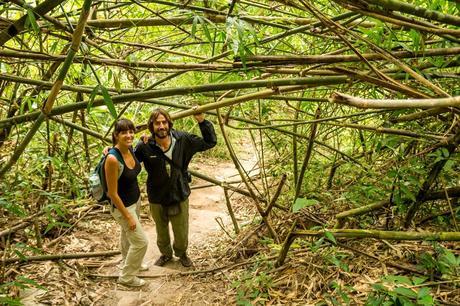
x,y
162,133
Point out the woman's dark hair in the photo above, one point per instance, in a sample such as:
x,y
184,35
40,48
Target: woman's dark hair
x,y
120,126
154,115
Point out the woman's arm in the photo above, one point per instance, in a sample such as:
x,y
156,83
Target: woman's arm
x,y
111,177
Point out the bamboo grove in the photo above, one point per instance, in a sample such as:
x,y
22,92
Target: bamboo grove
x,y
352,99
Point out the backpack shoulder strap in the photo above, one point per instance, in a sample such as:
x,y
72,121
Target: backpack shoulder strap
x,y
121,163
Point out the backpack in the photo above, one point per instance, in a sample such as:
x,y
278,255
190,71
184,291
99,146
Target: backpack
x,y
97,182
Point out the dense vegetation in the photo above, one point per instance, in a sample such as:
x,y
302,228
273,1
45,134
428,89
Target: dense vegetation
x,y
355,101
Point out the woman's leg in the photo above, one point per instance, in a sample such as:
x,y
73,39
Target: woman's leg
x,y
137,245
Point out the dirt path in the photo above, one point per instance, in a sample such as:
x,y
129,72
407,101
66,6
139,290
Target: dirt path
x,y
206,204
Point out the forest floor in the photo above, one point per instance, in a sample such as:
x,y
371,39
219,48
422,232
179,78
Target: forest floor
x,y
208,208
239,269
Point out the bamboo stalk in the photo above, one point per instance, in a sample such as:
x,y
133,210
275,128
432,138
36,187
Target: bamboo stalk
x,y
308,152
45,84
228,102
252,61
311,82
419,115
264,60
411,24
408,8
82,129
387,235
391,131
230,211
453,192
276,195
342,98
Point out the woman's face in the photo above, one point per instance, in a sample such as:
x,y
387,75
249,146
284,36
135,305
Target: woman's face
x,y
125,138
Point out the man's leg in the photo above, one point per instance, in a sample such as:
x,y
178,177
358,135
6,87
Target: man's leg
x,y
179,224
161,226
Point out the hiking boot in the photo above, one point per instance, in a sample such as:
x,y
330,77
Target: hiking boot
x,y
134,282
185,261
162,260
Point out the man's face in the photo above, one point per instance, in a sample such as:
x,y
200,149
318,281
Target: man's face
x,y
161,127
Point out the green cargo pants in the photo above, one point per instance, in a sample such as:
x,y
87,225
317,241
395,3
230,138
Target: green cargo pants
x,y
179,225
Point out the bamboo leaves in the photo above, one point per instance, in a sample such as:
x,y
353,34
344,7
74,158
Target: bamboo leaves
x,y
240,35
31,21
100,89
203,22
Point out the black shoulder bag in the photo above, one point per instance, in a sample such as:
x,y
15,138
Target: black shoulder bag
x,y
184,172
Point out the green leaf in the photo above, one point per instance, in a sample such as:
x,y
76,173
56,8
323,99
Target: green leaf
x,y
397,279
449,258
445,152
116,81
423,292
426,300
407,192
91,98
20,255
418,280
379,287
205,29
29,281
108,101
32,21
303,202
330,236
195,22
406,292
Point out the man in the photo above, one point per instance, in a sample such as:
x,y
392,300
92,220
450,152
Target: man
x,y
166,156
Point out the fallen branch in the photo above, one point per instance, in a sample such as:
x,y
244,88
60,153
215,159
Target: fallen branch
x,y
59,257
361,234
453,192
390,235
25,223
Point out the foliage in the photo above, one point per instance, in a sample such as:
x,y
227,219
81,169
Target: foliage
x,y
20,282
303,202
396,290
251,288
442,263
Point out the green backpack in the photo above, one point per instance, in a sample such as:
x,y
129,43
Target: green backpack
x,y
97,182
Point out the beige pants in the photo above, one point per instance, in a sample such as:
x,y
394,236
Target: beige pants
x,y
133,243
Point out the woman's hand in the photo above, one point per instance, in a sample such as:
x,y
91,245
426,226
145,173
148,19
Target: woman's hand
x,y
131,222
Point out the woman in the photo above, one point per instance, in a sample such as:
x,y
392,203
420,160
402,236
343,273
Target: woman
x,y
124,194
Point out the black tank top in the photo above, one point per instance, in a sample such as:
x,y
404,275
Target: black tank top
x,y
128,188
